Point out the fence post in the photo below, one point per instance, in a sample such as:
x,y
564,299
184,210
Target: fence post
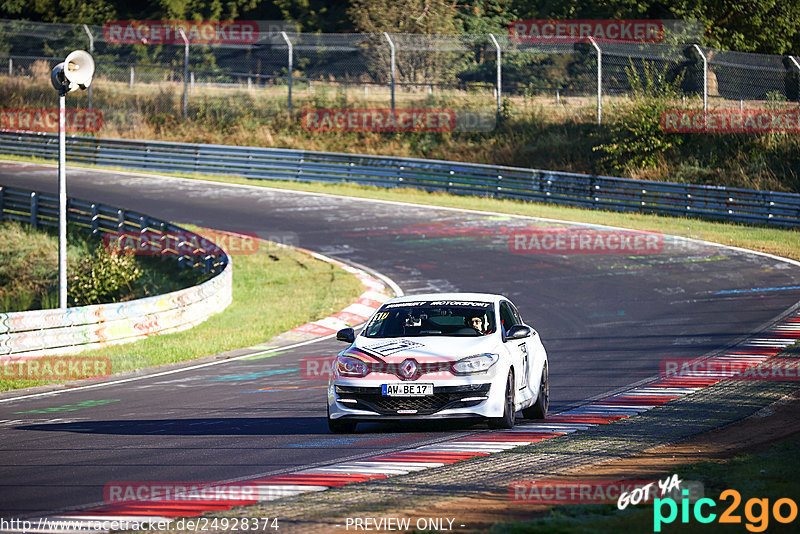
x,y
499,76
392,56
705,76
95,217
11,67
792,59
185,71
91,51
1,202
599,81
34,209
291,67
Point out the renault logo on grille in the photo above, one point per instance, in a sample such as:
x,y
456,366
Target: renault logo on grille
x,y
408,368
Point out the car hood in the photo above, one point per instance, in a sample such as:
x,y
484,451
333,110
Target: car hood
x,y
426,348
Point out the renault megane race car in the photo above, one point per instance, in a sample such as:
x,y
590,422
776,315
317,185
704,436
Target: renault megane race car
x,y
448,355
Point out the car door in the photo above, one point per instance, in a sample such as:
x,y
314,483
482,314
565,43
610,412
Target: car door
x,y
517,348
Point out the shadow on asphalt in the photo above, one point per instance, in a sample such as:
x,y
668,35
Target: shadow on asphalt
x,y
243,426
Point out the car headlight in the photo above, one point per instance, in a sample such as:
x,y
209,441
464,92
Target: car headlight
x,y
475,364
349,366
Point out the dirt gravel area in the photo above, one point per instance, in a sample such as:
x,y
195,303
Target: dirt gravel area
x,y
770,424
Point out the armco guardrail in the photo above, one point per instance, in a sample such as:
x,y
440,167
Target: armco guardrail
x,y
55,331
617,194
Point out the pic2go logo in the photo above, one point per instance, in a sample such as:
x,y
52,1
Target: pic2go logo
x,y
756,511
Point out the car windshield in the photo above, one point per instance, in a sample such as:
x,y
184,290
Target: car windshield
x,y
432,318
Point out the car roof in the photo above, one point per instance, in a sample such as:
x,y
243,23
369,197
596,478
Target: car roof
x,y
480,297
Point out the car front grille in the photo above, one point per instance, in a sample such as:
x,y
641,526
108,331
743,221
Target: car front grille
x,y
443,398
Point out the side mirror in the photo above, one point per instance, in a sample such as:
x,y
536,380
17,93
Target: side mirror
x,y
518,331
346,334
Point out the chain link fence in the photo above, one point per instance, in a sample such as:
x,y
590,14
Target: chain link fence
x,y
145,85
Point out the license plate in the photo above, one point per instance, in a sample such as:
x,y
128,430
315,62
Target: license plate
x,y
406,390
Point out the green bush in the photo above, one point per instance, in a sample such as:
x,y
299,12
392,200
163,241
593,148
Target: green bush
x,y
101,277
635,140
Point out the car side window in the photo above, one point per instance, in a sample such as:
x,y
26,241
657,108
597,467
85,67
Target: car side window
x,y
507,316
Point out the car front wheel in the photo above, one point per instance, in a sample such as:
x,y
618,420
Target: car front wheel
x,y
507,421
341,426
538,410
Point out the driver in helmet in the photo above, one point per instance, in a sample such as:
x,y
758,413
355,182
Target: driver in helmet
x,y
476,321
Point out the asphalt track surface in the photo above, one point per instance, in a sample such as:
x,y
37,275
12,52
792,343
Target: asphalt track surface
x,y
607,320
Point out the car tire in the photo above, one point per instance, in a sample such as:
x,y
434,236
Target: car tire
x,y
538,410
341,426
509,413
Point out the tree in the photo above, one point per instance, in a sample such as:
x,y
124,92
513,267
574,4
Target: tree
x,y
766,26
405,16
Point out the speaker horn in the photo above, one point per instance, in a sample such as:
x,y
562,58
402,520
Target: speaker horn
x,y
79,69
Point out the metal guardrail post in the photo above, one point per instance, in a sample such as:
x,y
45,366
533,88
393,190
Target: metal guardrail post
x,y
34,209
95,215
290,67
91,52
392,57
499,77
705,76
599,81
185,72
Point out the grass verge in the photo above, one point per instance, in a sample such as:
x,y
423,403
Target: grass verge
x,y
274,290
759,475
778,241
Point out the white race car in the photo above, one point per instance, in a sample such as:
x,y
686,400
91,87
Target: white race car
x,y
443,355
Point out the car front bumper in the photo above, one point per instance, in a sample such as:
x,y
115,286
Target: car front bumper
x,y
366,403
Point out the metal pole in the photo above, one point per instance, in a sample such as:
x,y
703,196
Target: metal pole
x,y
705,76
91,51
499,76
391,48
599,81
185,71
291,67
62,201
131,83
791,58
10,67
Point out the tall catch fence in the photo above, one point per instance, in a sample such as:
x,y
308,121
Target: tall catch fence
x,y
161,84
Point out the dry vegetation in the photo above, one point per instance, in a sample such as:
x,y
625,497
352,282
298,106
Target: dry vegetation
x,y
535,131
